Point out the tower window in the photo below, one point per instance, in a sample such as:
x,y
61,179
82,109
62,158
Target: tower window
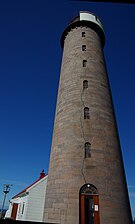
x,y
83,47
83,34
87,148
85,84
86,113
84,63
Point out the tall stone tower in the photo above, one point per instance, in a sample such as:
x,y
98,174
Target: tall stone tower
x,y
86,181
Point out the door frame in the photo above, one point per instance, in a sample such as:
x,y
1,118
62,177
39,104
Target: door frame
x,y
14,211
85,191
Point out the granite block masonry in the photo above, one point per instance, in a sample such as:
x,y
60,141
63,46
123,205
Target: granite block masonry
x,y
86,180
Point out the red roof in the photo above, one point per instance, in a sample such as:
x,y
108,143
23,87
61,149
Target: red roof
x,y
42,175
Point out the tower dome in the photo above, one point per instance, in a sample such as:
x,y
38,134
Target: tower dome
x,y
85,19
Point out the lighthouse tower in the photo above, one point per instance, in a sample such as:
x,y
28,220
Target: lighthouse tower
x,y
86,181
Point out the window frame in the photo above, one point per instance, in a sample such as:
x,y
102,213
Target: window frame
x,y
23,205
84,47
84,63
85,84
86,113
87,150
83,34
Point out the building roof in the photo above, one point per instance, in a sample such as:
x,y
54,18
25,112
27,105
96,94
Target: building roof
x,y
42,175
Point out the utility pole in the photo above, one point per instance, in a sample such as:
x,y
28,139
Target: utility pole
x,y
6,189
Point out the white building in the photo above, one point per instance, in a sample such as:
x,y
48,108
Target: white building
x,y
29,203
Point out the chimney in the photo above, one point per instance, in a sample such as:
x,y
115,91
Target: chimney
x,y
42,174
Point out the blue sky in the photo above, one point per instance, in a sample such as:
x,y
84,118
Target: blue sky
x,y
30,59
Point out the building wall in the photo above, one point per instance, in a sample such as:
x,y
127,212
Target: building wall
x,y
22,207
67,164
30,203
35,205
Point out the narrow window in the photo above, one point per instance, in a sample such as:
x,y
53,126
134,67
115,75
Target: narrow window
x,y
87,148
85,84
83,47
22,208
86,113
19,208
84,63
83,34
